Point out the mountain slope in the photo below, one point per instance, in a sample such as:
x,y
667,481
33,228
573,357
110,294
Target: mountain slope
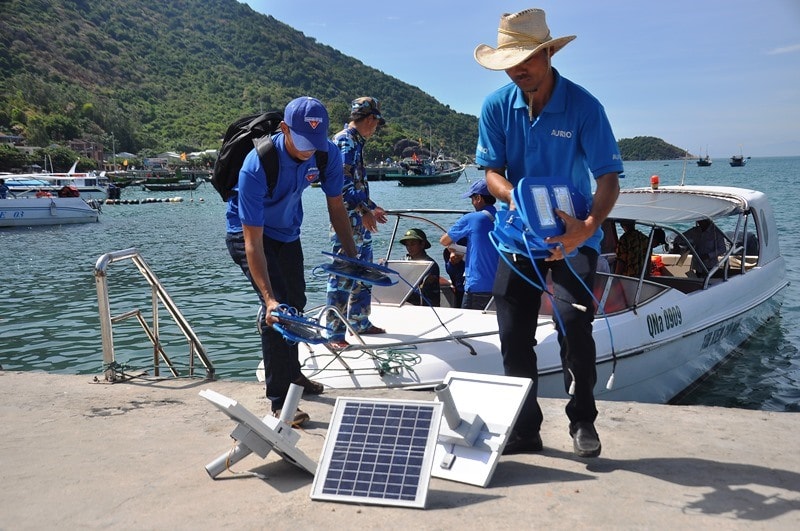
x,y
172,75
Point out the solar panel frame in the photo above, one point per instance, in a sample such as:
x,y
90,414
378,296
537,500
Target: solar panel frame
x,y
269,429
378,451
497,400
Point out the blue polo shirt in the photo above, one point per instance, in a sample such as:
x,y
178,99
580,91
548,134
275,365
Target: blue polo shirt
x,y
282,214
481,258
570,139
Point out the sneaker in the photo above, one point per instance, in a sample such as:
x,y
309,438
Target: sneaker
x,y
310,387
520,445
585,440
300,417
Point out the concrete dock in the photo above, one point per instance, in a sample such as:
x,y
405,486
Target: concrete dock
x,y
84,454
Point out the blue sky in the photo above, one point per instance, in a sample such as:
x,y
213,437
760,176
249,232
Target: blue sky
x,y
721,75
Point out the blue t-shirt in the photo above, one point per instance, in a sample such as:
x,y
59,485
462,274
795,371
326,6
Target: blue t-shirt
x,y
481,257
282,214
570,139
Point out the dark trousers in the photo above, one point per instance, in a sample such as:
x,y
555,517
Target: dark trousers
x,y
285,260
517,303
475,300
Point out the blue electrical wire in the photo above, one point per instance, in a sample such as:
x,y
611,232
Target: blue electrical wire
x,y
535,243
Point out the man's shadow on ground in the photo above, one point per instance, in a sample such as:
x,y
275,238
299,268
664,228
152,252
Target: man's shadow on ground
x,y
735,489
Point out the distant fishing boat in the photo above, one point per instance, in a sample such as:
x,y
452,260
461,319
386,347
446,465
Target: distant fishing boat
x,y
738,160
418,172
704,161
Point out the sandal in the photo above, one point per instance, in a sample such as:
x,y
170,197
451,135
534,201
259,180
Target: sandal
x,y
338,344
373,330
309,386
300,417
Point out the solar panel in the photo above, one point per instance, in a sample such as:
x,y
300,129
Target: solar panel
x,y
490,401
361,270
378,451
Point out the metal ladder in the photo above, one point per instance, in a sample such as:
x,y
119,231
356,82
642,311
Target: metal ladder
x,y
160,295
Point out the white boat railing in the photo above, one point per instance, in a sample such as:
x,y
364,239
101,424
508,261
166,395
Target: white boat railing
x,y
159,295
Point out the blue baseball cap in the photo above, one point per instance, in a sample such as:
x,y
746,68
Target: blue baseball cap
x,y
308,120
478,187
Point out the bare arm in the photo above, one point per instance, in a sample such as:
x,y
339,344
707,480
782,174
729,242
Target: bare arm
x,y
259,269
341,224
499,186
578,231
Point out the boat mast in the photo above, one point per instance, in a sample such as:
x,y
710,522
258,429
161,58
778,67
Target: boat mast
x,y
685,158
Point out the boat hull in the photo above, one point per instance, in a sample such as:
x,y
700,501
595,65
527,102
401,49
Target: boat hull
x,y
652,366
28,212
425,180
171,187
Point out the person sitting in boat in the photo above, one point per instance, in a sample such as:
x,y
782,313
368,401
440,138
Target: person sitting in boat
x,y
68,191
632,250
43,193
707,245
5,190
428,292
657,267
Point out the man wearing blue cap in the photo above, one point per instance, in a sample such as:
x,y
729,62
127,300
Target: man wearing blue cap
x,y
481,255
263,234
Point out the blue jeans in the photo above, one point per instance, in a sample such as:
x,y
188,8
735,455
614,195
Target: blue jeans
x,y
285,259
517,304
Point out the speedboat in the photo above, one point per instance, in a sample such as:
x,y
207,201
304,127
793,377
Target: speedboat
x,y
655,334
70,184
34,211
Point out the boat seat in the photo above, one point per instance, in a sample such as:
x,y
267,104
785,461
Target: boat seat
x,y
750,262
684,284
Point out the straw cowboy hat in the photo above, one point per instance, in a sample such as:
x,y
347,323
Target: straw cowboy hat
x,y
519,36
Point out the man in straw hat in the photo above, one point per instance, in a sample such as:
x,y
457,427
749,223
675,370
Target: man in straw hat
x,y
542,124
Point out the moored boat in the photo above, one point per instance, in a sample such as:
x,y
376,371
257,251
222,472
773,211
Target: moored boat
x,y
418,172
89,185
737,160
423,179
704,162
35,211
171,187
663,333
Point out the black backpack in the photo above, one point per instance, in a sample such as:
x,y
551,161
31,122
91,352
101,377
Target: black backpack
x,y
243,135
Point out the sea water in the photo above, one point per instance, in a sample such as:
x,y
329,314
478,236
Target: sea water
x,y
49,318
